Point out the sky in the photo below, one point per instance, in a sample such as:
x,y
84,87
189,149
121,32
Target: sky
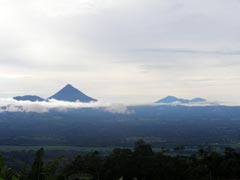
x,y
121,51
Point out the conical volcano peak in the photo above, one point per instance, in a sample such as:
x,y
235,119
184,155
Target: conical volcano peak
x,y
69,86
71,94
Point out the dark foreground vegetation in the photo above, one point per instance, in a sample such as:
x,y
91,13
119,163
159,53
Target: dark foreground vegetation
x,y
141,163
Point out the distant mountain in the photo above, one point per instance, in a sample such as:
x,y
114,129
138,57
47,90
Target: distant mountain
x,y
198,100
71,94
172,99
31,98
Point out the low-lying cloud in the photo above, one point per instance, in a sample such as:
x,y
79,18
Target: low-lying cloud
x,y
118,109
11,105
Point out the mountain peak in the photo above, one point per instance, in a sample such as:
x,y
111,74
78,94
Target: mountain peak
x,y
198,100
173,99
168,99
69,86
71,94
31,98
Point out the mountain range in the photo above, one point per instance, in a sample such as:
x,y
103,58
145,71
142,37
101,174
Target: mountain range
x,y
68,93
72,94
173,99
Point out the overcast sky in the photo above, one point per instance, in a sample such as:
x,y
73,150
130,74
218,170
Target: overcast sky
x,y
126,51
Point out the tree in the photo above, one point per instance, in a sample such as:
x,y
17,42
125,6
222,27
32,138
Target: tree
x,y
1,163
51,170
37,167
142,149
5,172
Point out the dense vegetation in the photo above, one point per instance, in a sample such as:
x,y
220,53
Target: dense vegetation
x,y
141,163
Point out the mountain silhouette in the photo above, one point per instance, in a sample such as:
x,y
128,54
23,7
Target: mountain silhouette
x,y
173,99
31,98
71,94
197,100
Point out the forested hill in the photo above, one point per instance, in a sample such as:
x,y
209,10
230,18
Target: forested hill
x,y
94,127
141,163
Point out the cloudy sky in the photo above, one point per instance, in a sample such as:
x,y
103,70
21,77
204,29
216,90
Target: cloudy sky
x,y
121,50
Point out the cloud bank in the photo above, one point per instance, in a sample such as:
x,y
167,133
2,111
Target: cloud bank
x,y
11,105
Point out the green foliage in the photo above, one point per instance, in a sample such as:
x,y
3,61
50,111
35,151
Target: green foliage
x,y
5,172
142,149
138,164
14,178
52,168
37,167
1,163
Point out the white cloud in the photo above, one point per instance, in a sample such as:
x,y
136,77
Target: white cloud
x,y
11,105
118,108
207,103
55,8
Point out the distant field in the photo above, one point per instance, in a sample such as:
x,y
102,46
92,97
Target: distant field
x,y
62,148
54,148
5,148
83,149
